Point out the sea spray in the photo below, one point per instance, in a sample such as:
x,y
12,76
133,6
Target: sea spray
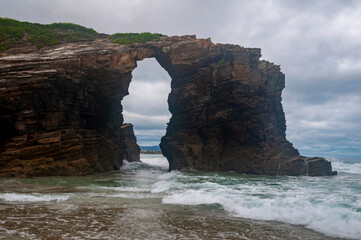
x,y
305,168
352,166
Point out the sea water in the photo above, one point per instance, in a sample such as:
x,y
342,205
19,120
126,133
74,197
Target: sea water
x,y
144,201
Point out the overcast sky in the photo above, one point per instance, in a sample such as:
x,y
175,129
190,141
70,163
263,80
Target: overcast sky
x,y
317,44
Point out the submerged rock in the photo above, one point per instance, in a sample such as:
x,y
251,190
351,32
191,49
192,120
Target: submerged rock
x,y
61,112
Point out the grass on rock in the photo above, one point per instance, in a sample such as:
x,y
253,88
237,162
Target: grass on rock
x,y
16,33
130,38
13,32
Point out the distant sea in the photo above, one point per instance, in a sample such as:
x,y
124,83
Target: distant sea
x,y
150,148
144,201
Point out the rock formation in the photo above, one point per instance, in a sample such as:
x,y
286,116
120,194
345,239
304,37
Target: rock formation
x,y
61,112
131,148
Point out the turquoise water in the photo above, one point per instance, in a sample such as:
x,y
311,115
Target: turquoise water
x,y
144,201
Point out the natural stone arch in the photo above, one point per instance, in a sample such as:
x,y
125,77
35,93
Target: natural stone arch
x,y
225,105
146,107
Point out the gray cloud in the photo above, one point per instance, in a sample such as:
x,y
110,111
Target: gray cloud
x,y
149,137
146,106
317,44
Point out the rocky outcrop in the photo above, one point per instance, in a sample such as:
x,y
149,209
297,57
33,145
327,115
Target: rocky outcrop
x,y
61,117
131,148
61,113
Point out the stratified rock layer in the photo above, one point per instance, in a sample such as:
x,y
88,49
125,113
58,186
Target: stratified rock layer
x,y
60,110
132,150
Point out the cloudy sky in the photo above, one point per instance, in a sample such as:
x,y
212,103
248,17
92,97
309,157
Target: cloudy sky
x,y
317,44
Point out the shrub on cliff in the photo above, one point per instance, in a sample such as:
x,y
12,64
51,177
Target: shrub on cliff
x,y
13,32
130,38
220,62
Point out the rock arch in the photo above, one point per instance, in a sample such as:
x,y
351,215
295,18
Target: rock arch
x,y
67,113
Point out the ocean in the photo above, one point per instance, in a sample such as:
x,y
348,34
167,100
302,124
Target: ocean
x,y
144,201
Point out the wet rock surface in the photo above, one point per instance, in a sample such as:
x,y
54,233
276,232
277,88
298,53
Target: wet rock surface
x,y
132,150
61,112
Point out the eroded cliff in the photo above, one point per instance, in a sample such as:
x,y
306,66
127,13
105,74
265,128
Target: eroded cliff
x,y
61,113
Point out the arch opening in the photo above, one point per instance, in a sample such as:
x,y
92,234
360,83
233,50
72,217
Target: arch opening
x,y
146,106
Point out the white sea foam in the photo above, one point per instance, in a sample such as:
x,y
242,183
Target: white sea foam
x,y
294,201
340,166
127,166
172,180
148,161
120,195
22,234
127,189
161,186
131,195
21,197
155,160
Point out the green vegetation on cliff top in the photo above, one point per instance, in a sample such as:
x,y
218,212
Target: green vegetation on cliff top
x,y
15,33
130,38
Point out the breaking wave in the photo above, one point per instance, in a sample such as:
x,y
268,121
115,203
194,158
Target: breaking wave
x,y
330,205
22,197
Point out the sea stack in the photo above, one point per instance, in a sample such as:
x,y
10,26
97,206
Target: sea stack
x,y
131,148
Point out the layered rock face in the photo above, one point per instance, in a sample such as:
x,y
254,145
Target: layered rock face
x,y
61,113
132,150
227,114
58,121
